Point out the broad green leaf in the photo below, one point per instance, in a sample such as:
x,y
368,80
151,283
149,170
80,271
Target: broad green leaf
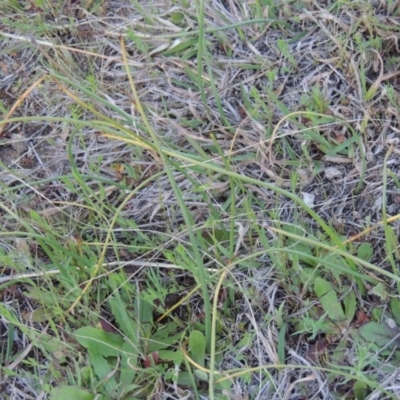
x,y
380,291
281,343
328,299
70,393
162,342
212,236
377,313
307,275
170,355
329,328
380,333
38,315
197,344
395,308
338,355
165,330
372,91
226,385
145,314
103,371
101,342
305,252
179,48
184,379
293,229
392,241
125,322
202,375
365,251
193,76
303,248
350,305
360,390
86,374
128,363
177,18
52,344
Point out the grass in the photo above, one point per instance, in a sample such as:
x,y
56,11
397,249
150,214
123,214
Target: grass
x,y
199,200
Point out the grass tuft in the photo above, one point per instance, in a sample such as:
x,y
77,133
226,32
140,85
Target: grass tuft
x,y
199,200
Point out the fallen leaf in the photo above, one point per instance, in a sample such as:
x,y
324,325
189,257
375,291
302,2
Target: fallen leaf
x,y
362,318
317,349
22,247
340,138
106,326
151,359
27,162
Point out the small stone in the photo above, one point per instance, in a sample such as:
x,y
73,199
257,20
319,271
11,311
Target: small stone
x,y
332,172
19,143
309,198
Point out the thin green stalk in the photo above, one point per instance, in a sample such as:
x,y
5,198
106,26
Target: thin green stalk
x,y
201,48
186,215
214,333
388,232
196,32
214,89
232,215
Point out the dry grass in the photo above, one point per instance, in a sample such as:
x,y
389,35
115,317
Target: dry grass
x,y
213,206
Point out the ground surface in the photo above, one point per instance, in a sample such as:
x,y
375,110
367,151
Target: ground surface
x,y
199,199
